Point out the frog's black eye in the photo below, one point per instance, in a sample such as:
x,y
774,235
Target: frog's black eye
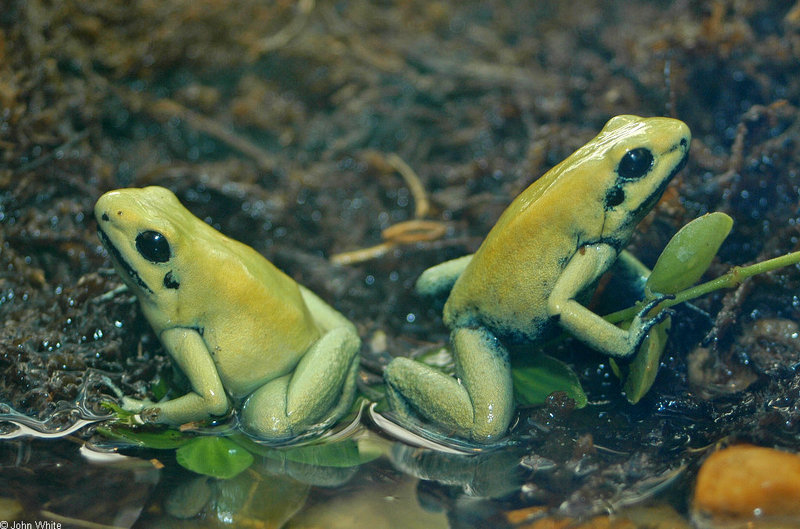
x,y
635,164
153,246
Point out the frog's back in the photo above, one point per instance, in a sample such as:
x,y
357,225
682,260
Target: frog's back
x,y
507,283
597,195
264,324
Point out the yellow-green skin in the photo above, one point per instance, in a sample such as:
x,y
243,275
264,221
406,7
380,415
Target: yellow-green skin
x,y
550,245
240,329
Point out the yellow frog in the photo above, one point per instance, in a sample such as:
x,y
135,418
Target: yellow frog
x,y
550,245
240,329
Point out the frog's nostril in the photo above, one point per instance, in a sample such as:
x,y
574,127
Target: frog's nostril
x,y
104,217
684,142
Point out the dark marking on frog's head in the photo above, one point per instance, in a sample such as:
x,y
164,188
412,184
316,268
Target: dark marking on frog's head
x,y
170,281
643,155
123,265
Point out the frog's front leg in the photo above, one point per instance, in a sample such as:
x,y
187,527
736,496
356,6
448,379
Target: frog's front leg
x,y
319,391
583,269
207,398
479,405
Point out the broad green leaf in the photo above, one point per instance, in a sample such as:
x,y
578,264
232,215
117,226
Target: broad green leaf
x,y
217,457
340,454
542,375
256,500
189,497
689,253
160,440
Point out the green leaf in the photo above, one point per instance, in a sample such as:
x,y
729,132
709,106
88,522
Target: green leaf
x,y
119,413
689,253
640,374
542,375
159,388
160,440
217,457
340,454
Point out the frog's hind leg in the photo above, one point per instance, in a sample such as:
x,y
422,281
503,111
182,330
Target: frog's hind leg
x,y
479,407
320,390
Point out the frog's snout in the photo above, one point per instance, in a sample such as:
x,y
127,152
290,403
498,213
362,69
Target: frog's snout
x,y
681,137
103,208
684,159
683,145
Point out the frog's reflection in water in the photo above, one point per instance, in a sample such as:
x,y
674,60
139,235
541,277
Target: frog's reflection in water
x,y
404,487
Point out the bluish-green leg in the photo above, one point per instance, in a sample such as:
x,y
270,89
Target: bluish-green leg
x,y
480,407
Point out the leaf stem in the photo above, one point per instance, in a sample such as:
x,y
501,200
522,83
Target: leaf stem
x,y
729,280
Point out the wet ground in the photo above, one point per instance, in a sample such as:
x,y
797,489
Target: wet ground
x,y
293,127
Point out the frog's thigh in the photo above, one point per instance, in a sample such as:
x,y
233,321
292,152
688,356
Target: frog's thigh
x,y
322,385
319,378
208,397
481,405
412,386
581,271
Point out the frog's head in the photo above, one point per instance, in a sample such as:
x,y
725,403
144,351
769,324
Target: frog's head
x,y
636,158
144,231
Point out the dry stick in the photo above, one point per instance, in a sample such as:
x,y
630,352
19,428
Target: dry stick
x,y
414,184
165,109
737,149
77,522
46,158
289,32
364,254
407,232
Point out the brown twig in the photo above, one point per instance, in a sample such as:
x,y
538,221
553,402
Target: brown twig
x,y
285,35
414,184
408,232
165,109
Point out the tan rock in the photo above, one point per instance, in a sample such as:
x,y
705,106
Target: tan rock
x,y
659,516
746,481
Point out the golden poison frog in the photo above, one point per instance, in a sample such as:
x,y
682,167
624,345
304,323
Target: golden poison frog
x,y
244,333
549,246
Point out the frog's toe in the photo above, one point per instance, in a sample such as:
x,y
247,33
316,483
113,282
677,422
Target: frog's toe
x,y
647,323
135,405
653,303
150,415
640,327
